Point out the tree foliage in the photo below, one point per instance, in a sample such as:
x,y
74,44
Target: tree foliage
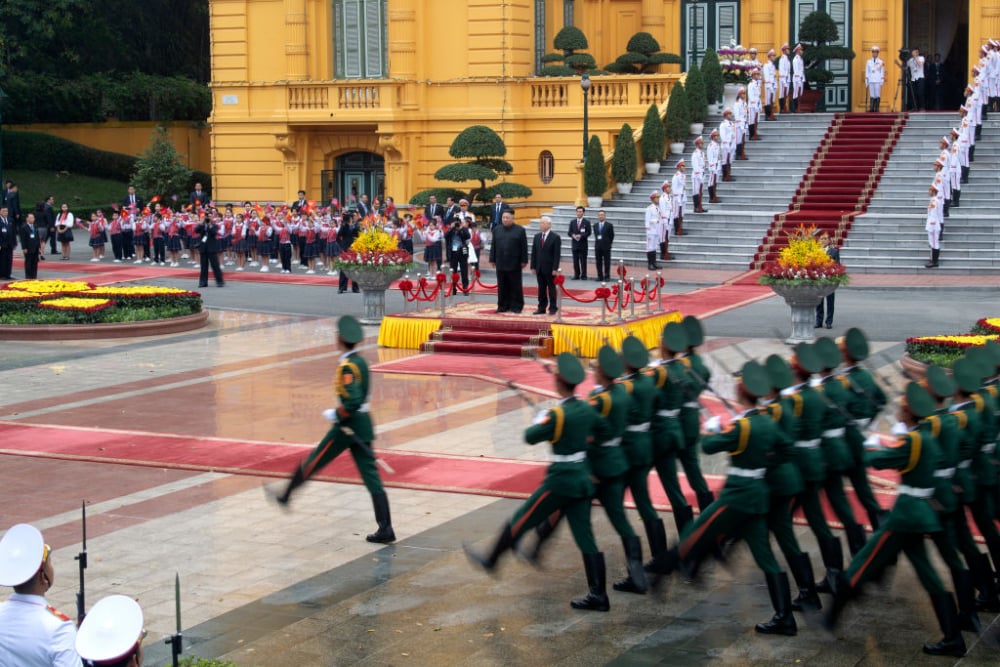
x,y
625,161
595,178
652,135
570,40
159,171
642,56
694,87
677,122
485,149
711,70
816,32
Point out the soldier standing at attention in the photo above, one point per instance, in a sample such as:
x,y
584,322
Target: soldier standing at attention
x,y
874,78
784,77
698,174
352,429
798,77
567,487
111,635
770,79
727,141
653,230
679,197
713,156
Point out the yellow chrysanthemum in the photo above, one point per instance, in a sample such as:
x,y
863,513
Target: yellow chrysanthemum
x,y
373,239
804,250
75,303
49,286
135,290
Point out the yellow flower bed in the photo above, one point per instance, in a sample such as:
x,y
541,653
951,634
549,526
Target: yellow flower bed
x,y
136,290
373,239
76,303
49,286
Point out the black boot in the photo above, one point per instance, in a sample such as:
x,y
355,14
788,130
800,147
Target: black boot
x,y
947,205
597,597
956,197
663,250
504,542
972,153
705,499
296,481
967,617
783,622
802,571
842,592
833,558
682,517
982,577
656,535
965,175
933,263
878,103
543,532
781,105
679,226
384,534
952,643
712,196
635,582
855,537
651,261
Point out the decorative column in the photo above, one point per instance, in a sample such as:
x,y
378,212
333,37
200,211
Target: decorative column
x,y
403,65
296,53
292,176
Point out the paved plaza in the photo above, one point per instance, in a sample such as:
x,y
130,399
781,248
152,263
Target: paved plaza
x,y
267,587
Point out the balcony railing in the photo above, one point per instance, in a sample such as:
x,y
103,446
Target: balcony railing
x,y
343,96
617,91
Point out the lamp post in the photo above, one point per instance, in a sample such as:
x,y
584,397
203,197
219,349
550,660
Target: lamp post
x,y
585,87
3,96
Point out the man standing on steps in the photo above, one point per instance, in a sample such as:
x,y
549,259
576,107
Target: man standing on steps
x,y
653,230
579,233
874,78
713,156
798,77
604,236
698,174
834,254
545,251
727,142
665,206
784,77
770,78
679,197
933,226
509,256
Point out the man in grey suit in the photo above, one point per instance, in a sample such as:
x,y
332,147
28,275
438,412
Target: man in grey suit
x,y
509,256
545,251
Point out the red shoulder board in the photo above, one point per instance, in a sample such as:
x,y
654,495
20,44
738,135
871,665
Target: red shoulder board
x,y
58,614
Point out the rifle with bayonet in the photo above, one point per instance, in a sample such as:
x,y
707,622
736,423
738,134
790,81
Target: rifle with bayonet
x,y
81,558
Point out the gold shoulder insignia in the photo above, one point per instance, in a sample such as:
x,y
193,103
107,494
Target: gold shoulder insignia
x,y
58,614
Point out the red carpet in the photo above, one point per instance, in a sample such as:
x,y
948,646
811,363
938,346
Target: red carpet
x,y
840,181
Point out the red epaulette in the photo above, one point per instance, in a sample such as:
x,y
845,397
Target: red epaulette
x,y
58,614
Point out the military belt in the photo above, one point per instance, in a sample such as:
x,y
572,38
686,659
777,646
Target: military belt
x,y
808,444
834,433
613,442
915,491
638,428
945,473
668,413
575,457
693,404
964,465
752,473
365,407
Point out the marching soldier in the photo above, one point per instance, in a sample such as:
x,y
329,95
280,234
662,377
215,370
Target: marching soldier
x,y
352,429
874,78
915,454
679,197
984,464
111,635
699,377
567,487
698,174
713,156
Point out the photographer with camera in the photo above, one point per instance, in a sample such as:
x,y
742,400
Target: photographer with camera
x,y
912,64
456,239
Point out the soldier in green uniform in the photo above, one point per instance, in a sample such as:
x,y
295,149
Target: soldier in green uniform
x,y
991,385
352,429
834,443
785,482
915,454
984,464
691,412
865,400
567,487
741,508
609,464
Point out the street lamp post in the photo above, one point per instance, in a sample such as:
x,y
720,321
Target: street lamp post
x,y
585,86
3,96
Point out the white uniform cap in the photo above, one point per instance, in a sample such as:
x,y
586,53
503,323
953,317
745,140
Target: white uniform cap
x,y
679,163
654,195
110,630
784,46
770,52
22,552
666,184
700,138
875,48
798,47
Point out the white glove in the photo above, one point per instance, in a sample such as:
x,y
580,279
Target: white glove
x,y
873,441
899,428
712,425
815,382
330,414
540,417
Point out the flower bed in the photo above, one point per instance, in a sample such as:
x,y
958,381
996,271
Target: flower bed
x,y
804,261
944,350
35,302
987,326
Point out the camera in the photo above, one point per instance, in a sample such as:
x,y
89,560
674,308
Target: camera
x,y
904,55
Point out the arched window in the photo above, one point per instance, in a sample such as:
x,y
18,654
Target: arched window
x,y
546,166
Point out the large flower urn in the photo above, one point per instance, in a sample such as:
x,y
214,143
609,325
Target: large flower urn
x,y
373,283
729,92
803,298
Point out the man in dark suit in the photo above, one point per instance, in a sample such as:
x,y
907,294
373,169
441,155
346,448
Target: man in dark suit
x,y
579,232
345,237
207,233
31,246
450,210
48,223
363,208
433,209
14,204
132,201
497,210
198,197
299,203
545,252
604,235
509,256
8,241
834,254
935,76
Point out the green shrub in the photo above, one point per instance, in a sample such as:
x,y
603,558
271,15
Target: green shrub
x,y
652,135
711,70
694,87
570,39
642,56
35,151
677,124
625,161
595,178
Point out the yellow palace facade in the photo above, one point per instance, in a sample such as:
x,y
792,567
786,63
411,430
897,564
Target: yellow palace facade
x,y
344,97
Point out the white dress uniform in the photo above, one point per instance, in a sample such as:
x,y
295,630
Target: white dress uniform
x,y
713,157
934,221
653,228
740,119
955,172
697,170
943,188
784,75
770,78
679,193
727,140
874,78
665,206
798,77
753,102
33,634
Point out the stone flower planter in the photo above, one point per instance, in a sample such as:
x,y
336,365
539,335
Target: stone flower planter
x,y
914,369
803,299
374,283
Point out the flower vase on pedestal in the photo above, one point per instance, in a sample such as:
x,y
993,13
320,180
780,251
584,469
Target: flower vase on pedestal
x,y
374,283
803,299
729,92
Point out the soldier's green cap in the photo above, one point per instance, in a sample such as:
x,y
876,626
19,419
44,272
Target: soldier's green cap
x,y
350,330
939,383
993,347
695,332
755,379
967,374
609,362
982,359
634,352
675,337
570,369
855,344
921,403
806,357
779,371
828,352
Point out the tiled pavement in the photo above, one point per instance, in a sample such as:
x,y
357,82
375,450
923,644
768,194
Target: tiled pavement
x,y
265,587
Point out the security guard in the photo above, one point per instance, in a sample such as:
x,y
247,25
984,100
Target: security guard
x,y
915,454
567,487
743,503
352,429
32,633
111,634
699,377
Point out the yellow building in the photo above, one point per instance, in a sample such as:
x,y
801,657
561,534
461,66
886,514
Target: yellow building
x,y
365,96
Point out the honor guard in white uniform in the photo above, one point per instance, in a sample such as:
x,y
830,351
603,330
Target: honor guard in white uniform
x,y
652,230
111,634
798,77
727,141
32,633
713,158
680,197
933,225
740,118
769,75
943,185
698,164
874,78
753,105
665,204
784,77
954,171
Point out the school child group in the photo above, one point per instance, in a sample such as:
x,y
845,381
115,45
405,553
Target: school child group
x,y
801,427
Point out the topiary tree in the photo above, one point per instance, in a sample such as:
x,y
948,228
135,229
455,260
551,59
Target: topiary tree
x,y
595,178
625,161
677,122
816,32
711,70
159,171
652,135
694,88
486,149
569,40
642,56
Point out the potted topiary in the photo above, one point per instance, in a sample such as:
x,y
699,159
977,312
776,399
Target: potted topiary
x,y
625,161
569,40
816,33
694,89
642,56
676,124
711,70
652,140
595,179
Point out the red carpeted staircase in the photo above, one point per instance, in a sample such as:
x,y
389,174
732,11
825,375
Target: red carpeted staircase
x,y
524,340
840,181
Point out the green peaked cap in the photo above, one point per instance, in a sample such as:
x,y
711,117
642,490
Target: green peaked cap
x,y
828,353
609,362
856,344
779,372
939,383
675,337
570,369
967,374
350,330
695,332
755,379
921,403
807,358
993,347
634,352
983,360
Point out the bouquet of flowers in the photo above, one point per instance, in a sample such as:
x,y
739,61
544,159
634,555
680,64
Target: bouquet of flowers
x,y
737,66
804,261
373,248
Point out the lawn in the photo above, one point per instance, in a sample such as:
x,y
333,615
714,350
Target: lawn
x,y
82,193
